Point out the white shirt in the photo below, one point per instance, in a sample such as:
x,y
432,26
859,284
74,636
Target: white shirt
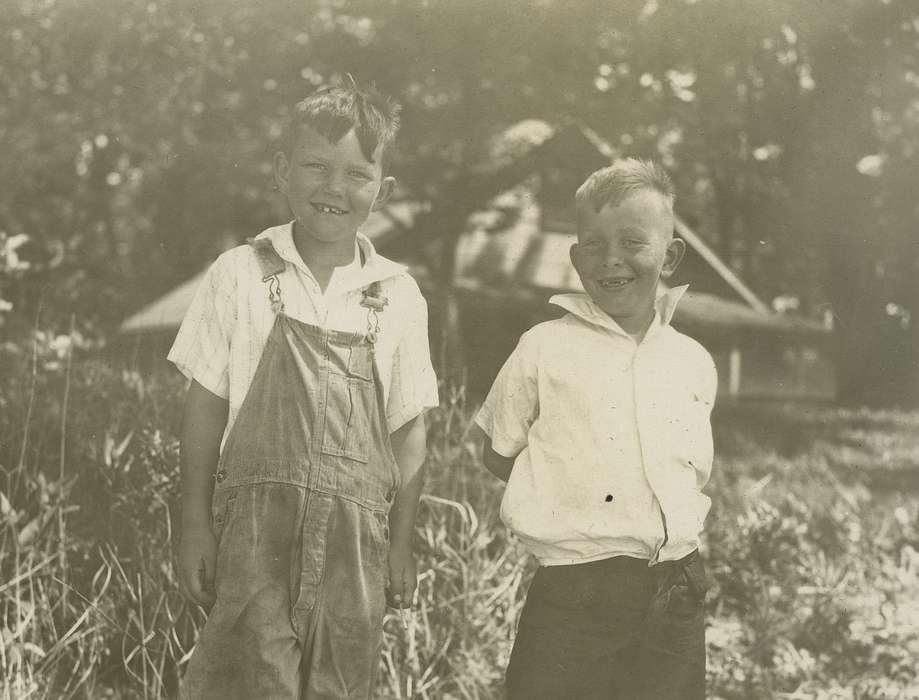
x,y
220,342
612,438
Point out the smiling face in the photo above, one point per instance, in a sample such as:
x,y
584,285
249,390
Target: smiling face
x,y
622,252
331,187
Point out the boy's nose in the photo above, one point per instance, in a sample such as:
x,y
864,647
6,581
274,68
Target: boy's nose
x,y
335,183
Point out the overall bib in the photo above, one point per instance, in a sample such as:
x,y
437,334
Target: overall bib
x,y
301,501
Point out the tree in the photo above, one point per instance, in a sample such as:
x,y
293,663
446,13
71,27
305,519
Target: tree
x,y
138,135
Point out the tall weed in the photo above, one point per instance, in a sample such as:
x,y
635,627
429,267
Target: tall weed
x,y
812,548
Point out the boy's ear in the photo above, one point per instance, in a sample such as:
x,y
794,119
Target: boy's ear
x,y
281,171
676,249
386,189
573,255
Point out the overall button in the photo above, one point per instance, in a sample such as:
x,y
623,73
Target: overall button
x,y
220,476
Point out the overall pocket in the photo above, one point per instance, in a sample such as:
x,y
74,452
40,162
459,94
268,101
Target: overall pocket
x,y
360,362
378,526
347,418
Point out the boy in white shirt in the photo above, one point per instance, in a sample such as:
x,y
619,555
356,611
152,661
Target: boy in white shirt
x,y
599,423
304,433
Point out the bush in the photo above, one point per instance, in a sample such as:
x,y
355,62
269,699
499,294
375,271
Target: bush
x,y
812,557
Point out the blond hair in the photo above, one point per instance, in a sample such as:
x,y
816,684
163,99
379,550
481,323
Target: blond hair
x,y
612,184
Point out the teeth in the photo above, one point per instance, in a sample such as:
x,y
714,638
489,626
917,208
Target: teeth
x,y
614,283
328,210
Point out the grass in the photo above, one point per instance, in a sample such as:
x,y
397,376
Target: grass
x,y
812,544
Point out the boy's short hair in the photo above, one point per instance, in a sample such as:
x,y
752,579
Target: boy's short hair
x,y
612,184
333,111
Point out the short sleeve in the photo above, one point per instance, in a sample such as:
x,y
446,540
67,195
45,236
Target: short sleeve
x,y
201,349
413,385
512,405
709,374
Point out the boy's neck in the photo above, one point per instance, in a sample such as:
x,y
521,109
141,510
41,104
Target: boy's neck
x,y
640,335
635,326
322,257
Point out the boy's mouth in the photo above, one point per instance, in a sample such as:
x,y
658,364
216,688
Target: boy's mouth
x,y
327,209
614,282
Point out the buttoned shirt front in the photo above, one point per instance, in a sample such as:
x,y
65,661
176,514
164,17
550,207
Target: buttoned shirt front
x,y
225,329
612,438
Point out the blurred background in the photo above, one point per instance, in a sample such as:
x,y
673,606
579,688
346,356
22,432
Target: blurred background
x,y
136,139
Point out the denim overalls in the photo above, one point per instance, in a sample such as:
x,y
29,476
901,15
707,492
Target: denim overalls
x,y
303,490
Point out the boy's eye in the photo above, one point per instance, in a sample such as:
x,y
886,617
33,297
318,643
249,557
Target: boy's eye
x,y
360,175
634,243
314,165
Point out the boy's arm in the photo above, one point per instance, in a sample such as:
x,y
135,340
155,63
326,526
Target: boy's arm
x,y
409,447
497,464
202,430
509,410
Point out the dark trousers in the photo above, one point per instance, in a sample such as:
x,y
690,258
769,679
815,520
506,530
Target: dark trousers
x,y
614,629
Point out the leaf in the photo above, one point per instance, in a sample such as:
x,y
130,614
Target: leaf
x,y
28,532
34,649
123,445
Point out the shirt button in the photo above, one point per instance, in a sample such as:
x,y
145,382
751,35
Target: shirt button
x,y
220,476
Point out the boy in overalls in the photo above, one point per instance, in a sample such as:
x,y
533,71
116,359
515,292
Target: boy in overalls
x,y
304,434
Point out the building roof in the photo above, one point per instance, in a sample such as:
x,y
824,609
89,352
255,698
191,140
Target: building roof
x,y
510,252
511,256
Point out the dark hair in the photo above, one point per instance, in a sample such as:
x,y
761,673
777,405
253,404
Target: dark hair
x,y
333,111
612,184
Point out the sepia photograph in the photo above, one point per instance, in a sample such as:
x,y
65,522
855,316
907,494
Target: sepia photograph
x,y
459,350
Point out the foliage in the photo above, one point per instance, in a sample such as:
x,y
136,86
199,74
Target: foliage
x,y
138,134
812,548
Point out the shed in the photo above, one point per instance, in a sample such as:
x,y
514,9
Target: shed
x,y
512,255
505,276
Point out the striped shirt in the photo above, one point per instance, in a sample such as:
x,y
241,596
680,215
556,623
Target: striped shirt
x,y
225,329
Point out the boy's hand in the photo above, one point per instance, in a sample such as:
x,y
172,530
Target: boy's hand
x,y
197,561
403,577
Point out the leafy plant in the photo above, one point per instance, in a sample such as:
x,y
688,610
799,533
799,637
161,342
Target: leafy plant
x,y
814,565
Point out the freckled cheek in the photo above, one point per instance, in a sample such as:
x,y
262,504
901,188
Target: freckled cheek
x,y
364,196
304,183
590,265
362,202
368,192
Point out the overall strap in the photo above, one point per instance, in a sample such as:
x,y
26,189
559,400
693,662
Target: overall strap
x,y
271,265
372,299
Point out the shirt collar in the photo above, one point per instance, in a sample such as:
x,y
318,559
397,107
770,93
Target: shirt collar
x,y
348,277
582,306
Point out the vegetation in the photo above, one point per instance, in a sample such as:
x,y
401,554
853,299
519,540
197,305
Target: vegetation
x,y
812,545
137,136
